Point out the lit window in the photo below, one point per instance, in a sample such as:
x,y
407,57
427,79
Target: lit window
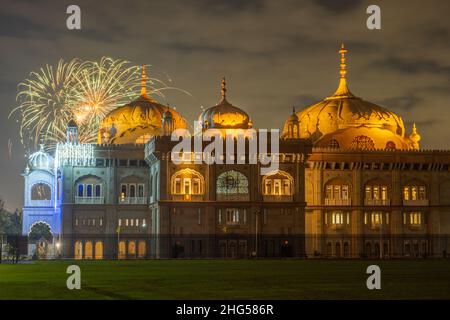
x,y
337,218
120,222
123,190
80,190
415,218
232,216
89,191
41,191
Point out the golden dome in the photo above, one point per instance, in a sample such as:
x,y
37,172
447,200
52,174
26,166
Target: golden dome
x,y
224,115
346,121
137,121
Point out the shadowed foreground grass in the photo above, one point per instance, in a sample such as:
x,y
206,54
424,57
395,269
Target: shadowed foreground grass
x,y
227,279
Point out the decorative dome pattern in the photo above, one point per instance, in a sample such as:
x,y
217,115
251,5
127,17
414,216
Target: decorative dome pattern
x,y
224,115
137,121
342,117
41,160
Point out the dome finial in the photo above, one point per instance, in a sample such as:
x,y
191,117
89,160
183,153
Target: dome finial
x,y
343,90
224,89
343,70
143,82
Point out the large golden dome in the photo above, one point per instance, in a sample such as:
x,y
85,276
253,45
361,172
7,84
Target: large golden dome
x,y
224,115
137,121
346,121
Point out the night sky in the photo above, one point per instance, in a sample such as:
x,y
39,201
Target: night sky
x,y
274,54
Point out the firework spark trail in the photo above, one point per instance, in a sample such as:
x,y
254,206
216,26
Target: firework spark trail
x,y
85,91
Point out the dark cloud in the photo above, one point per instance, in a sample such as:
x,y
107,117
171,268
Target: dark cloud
x,y
402,103
412,66
339,6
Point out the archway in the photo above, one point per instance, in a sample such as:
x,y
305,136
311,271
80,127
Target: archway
x,y
40,240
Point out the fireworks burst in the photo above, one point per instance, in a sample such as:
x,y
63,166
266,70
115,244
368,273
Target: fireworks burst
x,y
85,91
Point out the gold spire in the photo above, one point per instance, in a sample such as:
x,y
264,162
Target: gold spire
x,y
223,89
143,82
415,138
343,51
343,90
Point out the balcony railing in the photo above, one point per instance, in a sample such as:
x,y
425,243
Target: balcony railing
x,y
338,202
277,198
418,202
89,200
133,200
377,202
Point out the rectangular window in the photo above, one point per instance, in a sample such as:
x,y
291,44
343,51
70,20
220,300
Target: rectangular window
x,y
368,193
376,194
365,218
329,192
199,216
268,187
93,222
196,186
137,222
100,222
383,193
415,218
219,216
337,218
132,222
120,222
80,190
126,222
144,223
422,193
76,222
413,193
123,162
98,190
132,190
177,185
337,192
123,190
89,192
345,192
245,216
286,187
141,190
406,193
187,186
277,186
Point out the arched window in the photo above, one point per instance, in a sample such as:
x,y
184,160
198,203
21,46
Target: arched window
x,y
363,143
390,145
279,183
232,182
333,144
414,192
187,181
98,250
41,191
337,192
98,190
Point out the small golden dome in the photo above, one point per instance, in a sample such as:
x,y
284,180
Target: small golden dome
x,y
137,121
346,120
224,115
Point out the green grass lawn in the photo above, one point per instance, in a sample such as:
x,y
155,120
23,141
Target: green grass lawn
x,y
227,279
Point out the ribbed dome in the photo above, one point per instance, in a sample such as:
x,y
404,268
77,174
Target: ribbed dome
x,y
41,160
346,120
137,121
224,115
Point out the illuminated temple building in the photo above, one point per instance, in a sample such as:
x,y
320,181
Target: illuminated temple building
x,y
352,182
